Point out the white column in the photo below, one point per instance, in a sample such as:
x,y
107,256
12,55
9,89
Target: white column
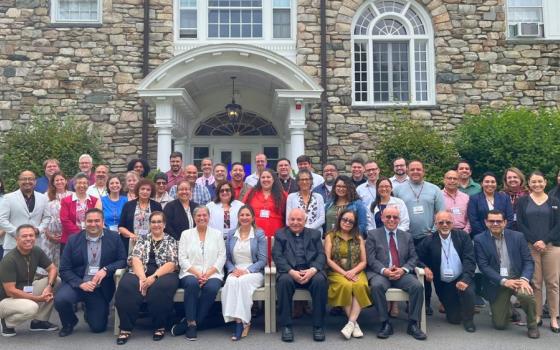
x,y
181,146
296,125
164,125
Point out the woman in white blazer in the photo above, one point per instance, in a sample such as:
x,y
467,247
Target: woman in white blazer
x,y
384,199
223,209
202,256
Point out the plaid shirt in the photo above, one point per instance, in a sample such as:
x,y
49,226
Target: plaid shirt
x,y
200,194
165,252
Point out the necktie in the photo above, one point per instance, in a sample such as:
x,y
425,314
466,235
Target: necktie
x,y
393,250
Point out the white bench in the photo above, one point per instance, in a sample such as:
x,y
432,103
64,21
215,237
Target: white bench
x,y
261,294
392,294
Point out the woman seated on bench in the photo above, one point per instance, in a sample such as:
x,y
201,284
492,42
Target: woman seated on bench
x,y
152,278
246,249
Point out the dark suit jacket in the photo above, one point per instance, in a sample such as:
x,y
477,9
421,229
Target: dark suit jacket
x,y
553,235
487,259
478,208
176,218
429,253
127,216
283,251
377,251
74,260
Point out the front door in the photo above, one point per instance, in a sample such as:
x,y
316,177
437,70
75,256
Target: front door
x,y
243,154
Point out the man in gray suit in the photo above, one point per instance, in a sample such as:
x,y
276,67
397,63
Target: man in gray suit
x,y
24,206
391,261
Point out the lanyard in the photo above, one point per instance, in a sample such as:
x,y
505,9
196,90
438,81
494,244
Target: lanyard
x,y
94,253
28,262
448,253
417,195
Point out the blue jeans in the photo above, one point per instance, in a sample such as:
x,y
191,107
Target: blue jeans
x,y
198,300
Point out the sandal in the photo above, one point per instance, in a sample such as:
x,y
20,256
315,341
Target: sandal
x,y
237,331
158,334
246,328
123,337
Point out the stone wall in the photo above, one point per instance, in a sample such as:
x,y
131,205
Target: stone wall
x,y
476,67
88,72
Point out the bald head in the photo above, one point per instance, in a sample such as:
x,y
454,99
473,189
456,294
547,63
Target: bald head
x,y
296,220
391,218
191,173
444,222
451,181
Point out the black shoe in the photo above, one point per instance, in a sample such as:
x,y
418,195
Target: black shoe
x,y
385,331
555,329
416,332
123,337
38,326
190,334
533,333
469,326
7,331
66,331
539,323
158,334
179,328
318,334
429,311
287,334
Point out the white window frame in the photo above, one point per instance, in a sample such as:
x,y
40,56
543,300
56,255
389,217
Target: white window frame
x,y
202,24
549,21
411,38
55,13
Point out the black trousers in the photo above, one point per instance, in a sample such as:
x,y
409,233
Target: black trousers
x,y
97,307
285,289
427,285
159,299
459,305
409,283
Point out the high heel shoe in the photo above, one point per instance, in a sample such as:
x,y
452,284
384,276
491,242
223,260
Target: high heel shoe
x,y
246,328
237,331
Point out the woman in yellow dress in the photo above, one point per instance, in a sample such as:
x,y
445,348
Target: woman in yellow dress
x,y
346,256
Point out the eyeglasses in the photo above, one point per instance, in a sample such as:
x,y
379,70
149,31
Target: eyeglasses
x,y
495,222
161,183
389,217
371,169
443,222
225,190
348,221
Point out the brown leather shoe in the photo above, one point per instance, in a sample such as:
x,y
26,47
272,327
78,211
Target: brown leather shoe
x,y
533,333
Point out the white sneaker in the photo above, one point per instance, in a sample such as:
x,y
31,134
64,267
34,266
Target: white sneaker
x,y
347,330
357,332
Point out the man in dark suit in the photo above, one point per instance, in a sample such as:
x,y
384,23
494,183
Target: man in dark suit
x,y
391,261
448,256
87,266
504,259
300,263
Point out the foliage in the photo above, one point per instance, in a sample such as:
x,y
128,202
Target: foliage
x,y
28,145
412,140
497,140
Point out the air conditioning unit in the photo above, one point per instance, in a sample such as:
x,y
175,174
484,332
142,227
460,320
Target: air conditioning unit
x,y
528,29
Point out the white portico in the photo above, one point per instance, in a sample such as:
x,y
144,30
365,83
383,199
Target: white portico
x,y
189,93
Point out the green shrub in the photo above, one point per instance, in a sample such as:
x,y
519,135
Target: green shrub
x,y
28,145
497,140
412,140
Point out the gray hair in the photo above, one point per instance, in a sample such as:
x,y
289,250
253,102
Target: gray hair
x,y
201,207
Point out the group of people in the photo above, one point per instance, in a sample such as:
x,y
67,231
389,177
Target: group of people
x,y
347,239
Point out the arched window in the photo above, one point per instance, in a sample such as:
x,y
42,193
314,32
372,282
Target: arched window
x,y
392,54
249,124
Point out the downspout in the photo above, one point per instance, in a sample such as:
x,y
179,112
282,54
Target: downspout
x,y
323,14
145,71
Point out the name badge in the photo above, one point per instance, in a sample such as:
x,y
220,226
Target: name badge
x,y
514,216
504,272
448,273
417,210
264,214
28,289
456,211
114,228
92,270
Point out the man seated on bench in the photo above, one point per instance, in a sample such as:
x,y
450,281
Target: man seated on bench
x,y
391,261
300,263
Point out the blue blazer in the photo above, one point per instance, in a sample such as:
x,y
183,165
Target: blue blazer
x,y
478,209
259,252
360,209
487,259
74,261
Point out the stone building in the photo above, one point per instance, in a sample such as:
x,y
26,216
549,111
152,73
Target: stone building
x,y
438,59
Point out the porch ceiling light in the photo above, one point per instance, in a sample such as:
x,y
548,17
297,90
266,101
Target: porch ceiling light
x,y
233,110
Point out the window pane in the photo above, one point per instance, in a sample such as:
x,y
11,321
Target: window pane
x,y
281,3
421,70
272,154
360,71
281,23
388,27
78,10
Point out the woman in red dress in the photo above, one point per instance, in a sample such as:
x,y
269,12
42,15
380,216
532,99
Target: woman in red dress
x,y
268,201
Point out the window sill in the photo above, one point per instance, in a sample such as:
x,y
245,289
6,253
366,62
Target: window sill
x,y
395,107
520,41
75,25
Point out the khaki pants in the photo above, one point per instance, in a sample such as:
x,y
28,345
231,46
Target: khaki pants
x,y
16,311
547,267
501,308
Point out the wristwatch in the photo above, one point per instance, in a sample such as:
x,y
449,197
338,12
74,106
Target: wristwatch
x,y
52,284
155,276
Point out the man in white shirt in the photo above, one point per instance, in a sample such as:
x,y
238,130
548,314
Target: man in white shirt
x,y
400,169
99,188
260,161
367,191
